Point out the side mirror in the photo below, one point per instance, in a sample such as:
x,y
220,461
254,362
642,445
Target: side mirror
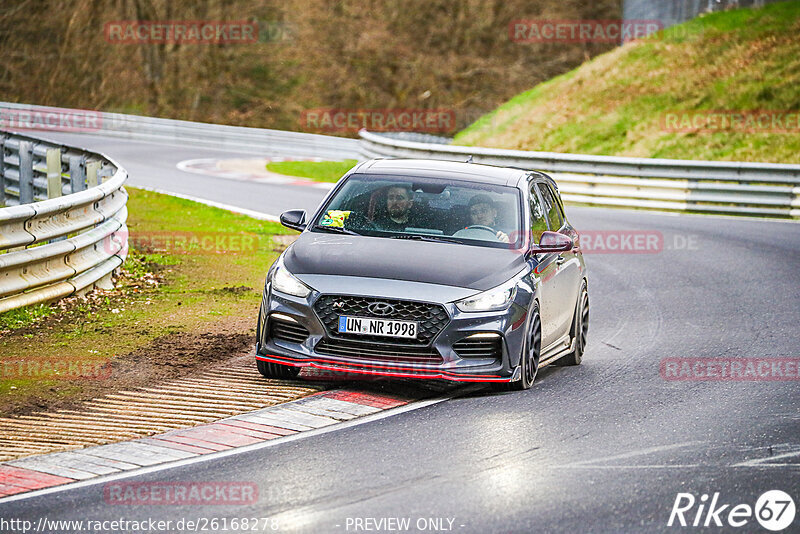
x,y
553,242
294,219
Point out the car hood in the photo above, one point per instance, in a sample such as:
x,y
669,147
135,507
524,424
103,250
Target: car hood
x,y
448,264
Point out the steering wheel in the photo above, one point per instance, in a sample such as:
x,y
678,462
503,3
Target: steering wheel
x,y
482,227
358,221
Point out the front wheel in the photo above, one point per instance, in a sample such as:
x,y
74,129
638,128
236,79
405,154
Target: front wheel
x,y
580,328
529,359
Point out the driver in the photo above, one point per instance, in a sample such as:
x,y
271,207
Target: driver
x,y
399,202
482,212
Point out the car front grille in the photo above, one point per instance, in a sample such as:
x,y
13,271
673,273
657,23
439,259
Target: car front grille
x,y
378,352
479,347
283,330
432,318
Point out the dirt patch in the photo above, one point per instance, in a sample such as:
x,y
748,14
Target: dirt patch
x,y
165,357
174,354
233,290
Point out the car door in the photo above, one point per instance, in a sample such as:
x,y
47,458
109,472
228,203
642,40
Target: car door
x,y
545,270
568,270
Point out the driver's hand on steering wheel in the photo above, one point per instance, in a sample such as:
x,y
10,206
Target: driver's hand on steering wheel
x,y
502,237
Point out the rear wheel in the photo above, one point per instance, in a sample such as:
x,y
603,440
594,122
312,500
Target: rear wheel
x,y
276,370
580,329
529,359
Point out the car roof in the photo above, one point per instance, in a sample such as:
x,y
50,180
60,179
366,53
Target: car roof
x,y
429,168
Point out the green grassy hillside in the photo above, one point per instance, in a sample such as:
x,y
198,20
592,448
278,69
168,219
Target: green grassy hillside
x,y
617,103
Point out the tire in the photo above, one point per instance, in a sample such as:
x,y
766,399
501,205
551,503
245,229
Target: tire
x,y
580,328
529,359
276,370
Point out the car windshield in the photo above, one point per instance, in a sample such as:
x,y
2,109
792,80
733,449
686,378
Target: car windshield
x,y
426,209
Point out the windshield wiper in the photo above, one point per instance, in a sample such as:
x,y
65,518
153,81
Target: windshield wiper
x,y
335,230
419,237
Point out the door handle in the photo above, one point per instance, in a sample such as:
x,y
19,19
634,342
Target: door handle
x,y
560,259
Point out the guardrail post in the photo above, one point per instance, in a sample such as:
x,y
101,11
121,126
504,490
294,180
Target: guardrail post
x,y
25,172
92,168
54,173
105,173
77,173
106,282
3,170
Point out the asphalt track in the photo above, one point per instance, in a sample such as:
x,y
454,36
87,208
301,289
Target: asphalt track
x,y
603,447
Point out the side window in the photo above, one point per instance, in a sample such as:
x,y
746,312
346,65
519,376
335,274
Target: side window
x,y
538,221
560,202
551,207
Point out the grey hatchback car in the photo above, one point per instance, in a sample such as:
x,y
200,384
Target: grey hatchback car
x,y
428,269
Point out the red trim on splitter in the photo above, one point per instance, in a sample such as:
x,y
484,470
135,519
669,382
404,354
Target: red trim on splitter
x,y
371,370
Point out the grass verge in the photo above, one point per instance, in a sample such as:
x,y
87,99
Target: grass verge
x,y
320,171
187,296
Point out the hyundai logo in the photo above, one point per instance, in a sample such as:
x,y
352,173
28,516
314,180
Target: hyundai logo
x,y
381,308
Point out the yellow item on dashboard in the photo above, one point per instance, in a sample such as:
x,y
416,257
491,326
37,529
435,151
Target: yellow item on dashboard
x,y
334,218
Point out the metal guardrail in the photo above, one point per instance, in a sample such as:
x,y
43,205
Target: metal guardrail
x,y
763,189
258,141
64,228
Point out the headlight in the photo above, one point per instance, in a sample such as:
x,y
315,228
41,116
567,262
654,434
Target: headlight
x,y
498,298
283,281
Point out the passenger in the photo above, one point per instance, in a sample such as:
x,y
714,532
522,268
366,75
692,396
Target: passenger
x,y
399,204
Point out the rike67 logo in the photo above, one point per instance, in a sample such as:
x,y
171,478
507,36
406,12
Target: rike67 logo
x,y
774,510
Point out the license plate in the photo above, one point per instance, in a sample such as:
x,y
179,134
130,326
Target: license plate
x,y
378,327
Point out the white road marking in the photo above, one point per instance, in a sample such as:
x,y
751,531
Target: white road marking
x,y
598,463
665,466
768,461
639,452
